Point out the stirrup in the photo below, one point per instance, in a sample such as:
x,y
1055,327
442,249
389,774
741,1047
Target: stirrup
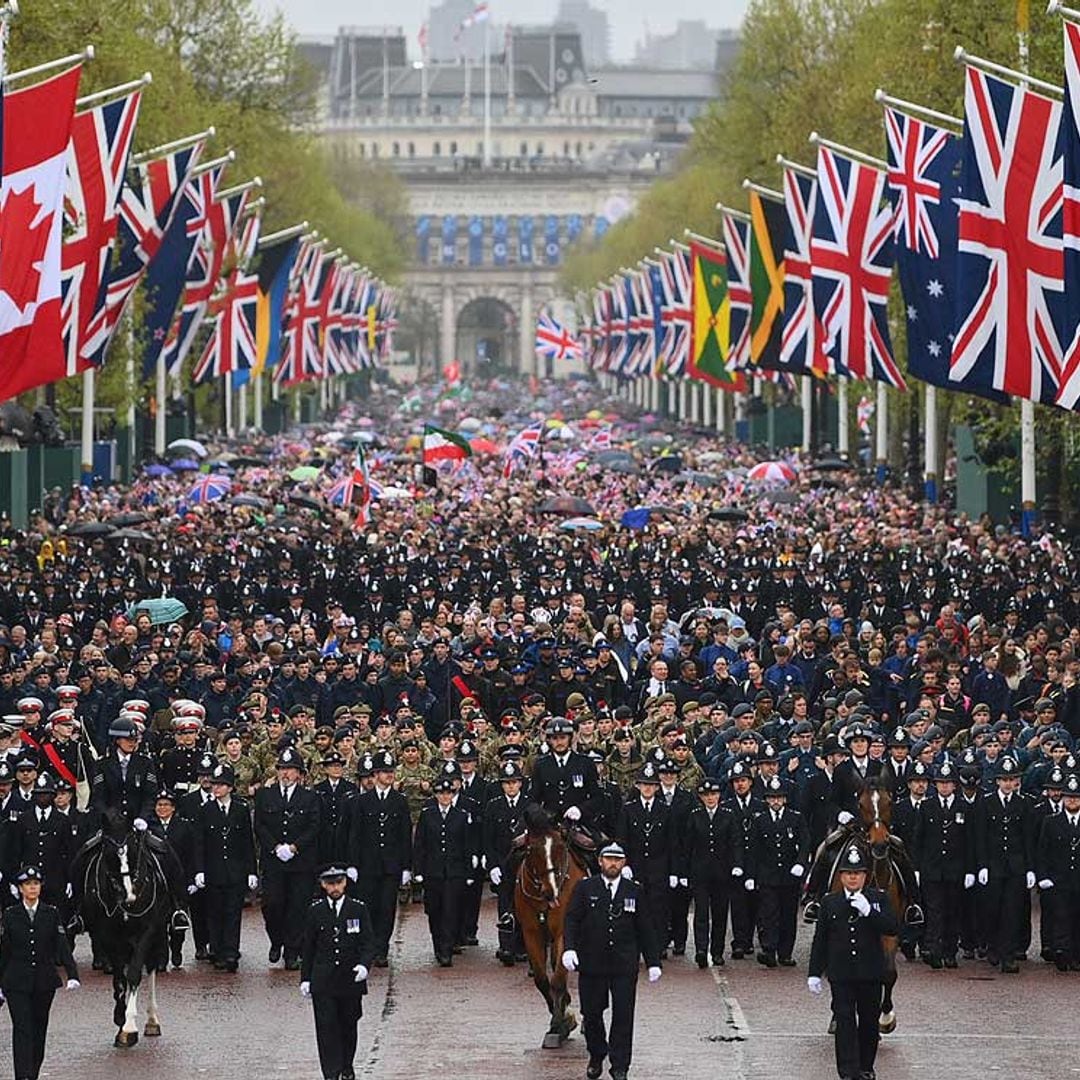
x,y
75,925
913,915
179,920
506,921
811,911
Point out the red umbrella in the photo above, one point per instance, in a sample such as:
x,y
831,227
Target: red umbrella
x,y
483,445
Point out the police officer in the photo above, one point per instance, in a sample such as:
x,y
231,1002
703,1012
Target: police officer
x,y
711,855
779,845
503,822
125,778
287,820
179,834
563,781
607,929
1057,862
443,863
338,948
335,794
847,947
744,806
42,839
33,944
224,861
378,850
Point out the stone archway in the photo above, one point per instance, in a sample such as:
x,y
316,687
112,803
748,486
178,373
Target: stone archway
x,y
487,335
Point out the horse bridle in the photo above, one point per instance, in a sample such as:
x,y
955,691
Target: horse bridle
x,y
126,895
558,876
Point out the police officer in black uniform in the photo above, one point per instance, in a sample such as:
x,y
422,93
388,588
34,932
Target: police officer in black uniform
x,y
608,928
847,947
335,794
224,858
443,863
1057,862
744,805
503,821
338,948
564,782
32,945
378,850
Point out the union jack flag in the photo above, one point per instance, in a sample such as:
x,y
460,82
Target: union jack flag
x,y
1010,272
600,321
302,355
100,145
619,329
601,440
851,261
148,202
800,341
231,345
1069,392
640,359
676,315
554,340
737,243
522,448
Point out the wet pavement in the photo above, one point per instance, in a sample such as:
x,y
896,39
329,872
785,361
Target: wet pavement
x,y
481,1021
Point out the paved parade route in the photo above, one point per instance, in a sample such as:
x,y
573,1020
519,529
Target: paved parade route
x,y
484,1022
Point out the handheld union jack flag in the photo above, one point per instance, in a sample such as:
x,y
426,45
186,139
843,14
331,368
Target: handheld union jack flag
x,y
851,266
1069,391
737,243
1010,272
553,340
522,448
98,155
148,202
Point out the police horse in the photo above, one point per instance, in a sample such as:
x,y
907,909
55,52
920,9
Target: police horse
x,y
126,909
879,847
544,882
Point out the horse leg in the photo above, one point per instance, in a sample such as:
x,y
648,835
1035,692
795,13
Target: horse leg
x,y
153,1021
888,1013
119,995
563,1020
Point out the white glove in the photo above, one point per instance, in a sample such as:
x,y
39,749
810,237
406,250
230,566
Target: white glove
x,y
813,984
654,974
1029,878
406,877
673,881
844,817
1046,883
361,973
68,890
283,852
253,881
14,891
200,881
351,873
969,881
684,882
918,878
73,984
798,870
475,861
192,890
470,881
1,997
736,871
860,904
305,989
627,872
984,876
570,960
748,884
495,873
572,813
139,824
418,878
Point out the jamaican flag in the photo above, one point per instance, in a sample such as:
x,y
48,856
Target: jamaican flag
x,y
768,222
710,339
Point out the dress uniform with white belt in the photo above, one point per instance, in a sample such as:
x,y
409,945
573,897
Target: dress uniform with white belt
x,y
847,947
338,949
32,945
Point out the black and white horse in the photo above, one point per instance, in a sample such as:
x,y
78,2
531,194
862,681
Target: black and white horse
x,y
126,909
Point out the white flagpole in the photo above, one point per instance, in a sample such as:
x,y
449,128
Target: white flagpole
x,y
841,417
256,388
706,405
88,426
806,386
881,432
487,94
242,394
159,417
721,412
930,444
228,406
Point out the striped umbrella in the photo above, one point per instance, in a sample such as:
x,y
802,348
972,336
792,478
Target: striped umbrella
x,y
771,472
209,488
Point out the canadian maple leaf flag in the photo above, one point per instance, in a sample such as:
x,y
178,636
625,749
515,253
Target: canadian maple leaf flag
x,y
37,129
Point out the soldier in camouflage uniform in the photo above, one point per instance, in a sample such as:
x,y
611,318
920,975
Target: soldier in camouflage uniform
x,y
624,761
243,765
413,778
690,772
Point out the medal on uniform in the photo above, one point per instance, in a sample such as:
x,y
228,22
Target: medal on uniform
x,y
352,926
630,904
959,819
578,780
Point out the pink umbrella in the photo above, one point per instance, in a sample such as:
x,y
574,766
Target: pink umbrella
x,y
771,472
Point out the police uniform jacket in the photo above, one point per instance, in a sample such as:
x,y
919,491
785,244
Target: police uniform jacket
x,y
224,847
610,935
942,850
46,844
776,846
818,807
1004,835
378,833
133,794
649,840
847,946
848,783
1058,855
502,822
335,810
334,945
443,847
907,821
31,952
556,787
180,836
296,821
711,847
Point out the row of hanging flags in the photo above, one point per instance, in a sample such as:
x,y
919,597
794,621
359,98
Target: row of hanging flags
x,y
84,222
980,216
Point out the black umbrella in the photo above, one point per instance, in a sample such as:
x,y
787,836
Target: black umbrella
x,y
308,502
606,457
250,500
728,513
568,504
242,461
133,517
131,534
701,479
90,528
669,463
781,495
832,465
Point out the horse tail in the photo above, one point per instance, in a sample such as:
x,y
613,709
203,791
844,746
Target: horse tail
x,y
537,820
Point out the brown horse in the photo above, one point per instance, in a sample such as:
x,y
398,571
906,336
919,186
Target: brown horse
x,y
873,837
543,886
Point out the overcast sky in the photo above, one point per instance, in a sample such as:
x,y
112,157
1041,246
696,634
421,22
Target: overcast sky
x,y
628,18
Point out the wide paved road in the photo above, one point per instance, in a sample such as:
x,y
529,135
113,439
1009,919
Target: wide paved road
x,y
480,1021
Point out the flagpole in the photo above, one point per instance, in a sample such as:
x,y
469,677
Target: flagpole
x,y
176,144
881,432
51,65
131,389
721,411
228,406
930,444
806,387
242,395
487,95
256,392
88,426
841,417
159,416
114,91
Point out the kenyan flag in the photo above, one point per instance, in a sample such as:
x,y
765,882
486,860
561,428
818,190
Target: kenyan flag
x,y
441,445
